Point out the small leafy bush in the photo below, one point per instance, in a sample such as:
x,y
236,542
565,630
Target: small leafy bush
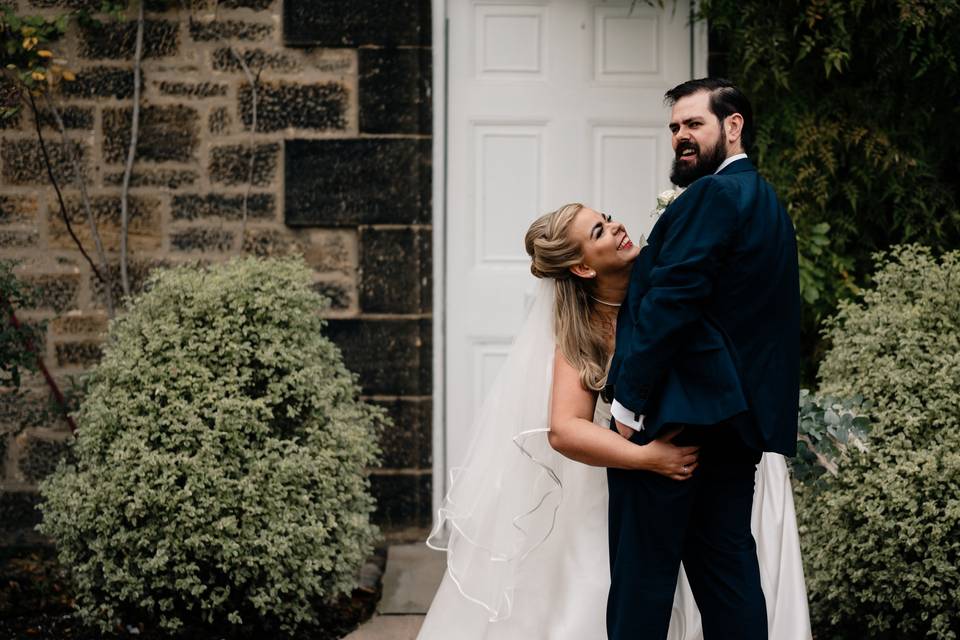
x,y
219,471
882,539
827,428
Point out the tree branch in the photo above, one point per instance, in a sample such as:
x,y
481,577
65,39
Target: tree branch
x,y
131,153
56,186
85,198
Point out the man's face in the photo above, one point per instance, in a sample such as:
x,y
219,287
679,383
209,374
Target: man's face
x,y
698,140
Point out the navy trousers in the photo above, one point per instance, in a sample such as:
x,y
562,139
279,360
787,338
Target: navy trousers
x,y
657,523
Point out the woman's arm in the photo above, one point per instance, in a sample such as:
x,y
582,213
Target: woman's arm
x,y
573,433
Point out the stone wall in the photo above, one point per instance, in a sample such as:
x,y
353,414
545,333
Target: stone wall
x,y
342,175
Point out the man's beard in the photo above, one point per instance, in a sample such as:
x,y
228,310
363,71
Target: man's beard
x,y
683,174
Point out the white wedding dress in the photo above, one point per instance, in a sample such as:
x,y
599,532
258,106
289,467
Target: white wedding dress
x,y
525,529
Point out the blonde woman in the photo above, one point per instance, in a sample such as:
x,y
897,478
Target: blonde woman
x,y
524,523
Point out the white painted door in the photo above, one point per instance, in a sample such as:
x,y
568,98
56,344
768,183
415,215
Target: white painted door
x,y
549,102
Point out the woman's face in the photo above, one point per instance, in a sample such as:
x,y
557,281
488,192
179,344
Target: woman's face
x,y
604,242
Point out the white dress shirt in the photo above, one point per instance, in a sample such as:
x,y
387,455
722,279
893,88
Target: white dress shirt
x,y
623,415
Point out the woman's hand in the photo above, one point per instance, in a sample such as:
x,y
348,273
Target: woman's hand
x,y
670,460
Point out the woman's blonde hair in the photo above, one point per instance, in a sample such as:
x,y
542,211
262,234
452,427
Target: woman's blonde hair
x,y
553,252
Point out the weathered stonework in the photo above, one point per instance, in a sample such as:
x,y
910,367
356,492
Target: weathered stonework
x,y
168,133
165,178
228,207
395,90
100,82
207,31
360,181
41,456
202,239
281,105
78,354
192,89
225,60
341,175
116,40
73,118
334,23
23,162
144,222
219,121
230,165
17,209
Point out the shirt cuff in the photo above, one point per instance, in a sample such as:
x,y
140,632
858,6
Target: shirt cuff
x,y
625,417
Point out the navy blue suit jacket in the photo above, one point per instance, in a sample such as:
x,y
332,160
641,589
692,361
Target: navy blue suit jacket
x,y
710,328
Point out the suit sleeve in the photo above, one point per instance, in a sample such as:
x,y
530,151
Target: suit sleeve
x,y
681,283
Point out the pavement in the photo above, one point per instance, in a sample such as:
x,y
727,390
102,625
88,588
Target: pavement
x,y
412,575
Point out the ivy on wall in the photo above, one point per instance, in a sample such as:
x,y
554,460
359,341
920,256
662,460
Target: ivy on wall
x,y
855,102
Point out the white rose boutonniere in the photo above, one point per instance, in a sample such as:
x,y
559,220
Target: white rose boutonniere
x,y
664,200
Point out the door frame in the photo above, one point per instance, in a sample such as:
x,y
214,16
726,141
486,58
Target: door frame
x,y
699,45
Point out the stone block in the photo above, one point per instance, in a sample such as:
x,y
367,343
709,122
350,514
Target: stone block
x,y
395,90
23,162
201,239
223,59
260,206
351,182
391,276
40,457
334,23
90,5
18,209
80,324
403,501
191,89
117,40
207,31
219,121
340,294
256,5
408,443
167,133
230,165
24,409
138,270
100,82
163,178
330,250
265,243
15,239
19,516
85,353
391,357
73,118
143,230
54,291
281,105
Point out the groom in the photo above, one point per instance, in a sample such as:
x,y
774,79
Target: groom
x,y
707,340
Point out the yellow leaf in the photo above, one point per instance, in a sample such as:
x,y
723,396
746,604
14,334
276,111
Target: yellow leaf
x,y
43,53
68,75
37,75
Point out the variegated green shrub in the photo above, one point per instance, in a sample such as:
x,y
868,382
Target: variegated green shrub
x,y
881,542
219,473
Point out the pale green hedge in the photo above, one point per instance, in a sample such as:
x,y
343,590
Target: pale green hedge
x,y
219,473
881,540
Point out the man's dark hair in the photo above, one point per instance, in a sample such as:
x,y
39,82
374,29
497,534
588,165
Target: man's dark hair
x,y
725,100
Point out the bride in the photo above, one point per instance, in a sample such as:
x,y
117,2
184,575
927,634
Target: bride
x,y
524,522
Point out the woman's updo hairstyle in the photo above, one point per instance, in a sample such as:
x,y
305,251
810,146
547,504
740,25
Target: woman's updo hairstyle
x,y
553,251
549,246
